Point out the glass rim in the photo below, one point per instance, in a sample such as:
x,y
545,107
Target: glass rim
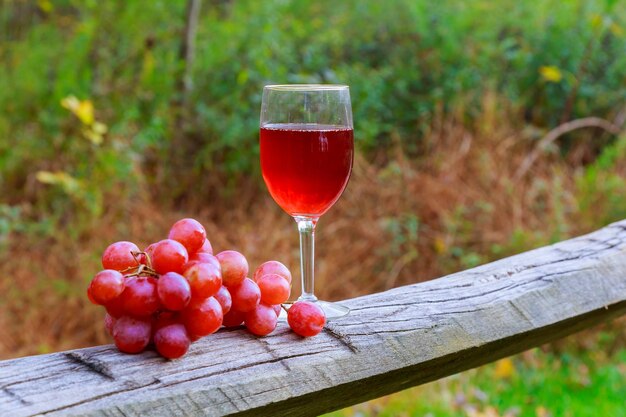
x,y
306,87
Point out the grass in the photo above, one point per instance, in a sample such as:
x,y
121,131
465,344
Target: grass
x,y
542,382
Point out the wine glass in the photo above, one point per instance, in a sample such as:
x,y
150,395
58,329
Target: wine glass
x,y
307,150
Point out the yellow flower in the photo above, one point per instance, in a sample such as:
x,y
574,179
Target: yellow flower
x,y
440,245
504,368
551,73
46,6
616,30
92,130
83,109
64,180
597,21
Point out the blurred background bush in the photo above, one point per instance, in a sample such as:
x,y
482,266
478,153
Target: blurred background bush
x,y
483,129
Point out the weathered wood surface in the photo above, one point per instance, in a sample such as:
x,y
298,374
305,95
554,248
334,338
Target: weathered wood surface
x,y
390,341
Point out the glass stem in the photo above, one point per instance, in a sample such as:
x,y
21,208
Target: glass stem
x,y
306,227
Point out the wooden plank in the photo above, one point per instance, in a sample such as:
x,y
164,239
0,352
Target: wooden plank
x,y
391,340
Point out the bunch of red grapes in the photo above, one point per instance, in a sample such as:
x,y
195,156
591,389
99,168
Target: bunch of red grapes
x,y
176,291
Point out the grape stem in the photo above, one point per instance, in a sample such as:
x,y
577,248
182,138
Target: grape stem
x,y
137,254
140,269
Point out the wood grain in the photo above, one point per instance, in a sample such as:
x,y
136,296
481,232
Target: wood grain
x,y
390,341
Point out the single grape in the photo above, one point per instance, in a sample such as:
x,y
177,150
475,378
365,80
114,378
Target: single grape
x,y
109,322
272,267
140,297
234,318
131,335
115,307
190,233
205,280
169,256
234,267
277,309
206,247
203,318
172,341
201,257
106,286
246,296
262,320
90,296
164,318
274,289
149,251
118,256
174,291
223,297
306,318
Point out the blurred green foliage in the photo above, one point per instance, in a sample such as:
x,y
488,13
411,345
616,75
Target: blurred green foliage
x,y
406,62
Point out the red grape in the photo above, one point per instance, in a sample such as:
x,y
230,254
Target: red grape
x,y
169,256
109,322
202,257
272,267
306,318
164,318
262,320
277,309
233,318
205,280
204,318
172,341
189,293
131,335
190,233
118,256
149,251
274,289
234,267
174,291
223,297
140,297
90,296
246,296
115,307
206,247
106,286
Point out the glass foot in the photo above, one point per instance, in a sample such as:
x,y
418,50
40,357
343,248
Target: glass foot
x,y
332,310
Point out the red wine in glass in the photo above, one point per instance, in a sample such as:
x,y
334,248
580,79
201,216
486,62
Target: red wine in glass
x,y
306,158
306,166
